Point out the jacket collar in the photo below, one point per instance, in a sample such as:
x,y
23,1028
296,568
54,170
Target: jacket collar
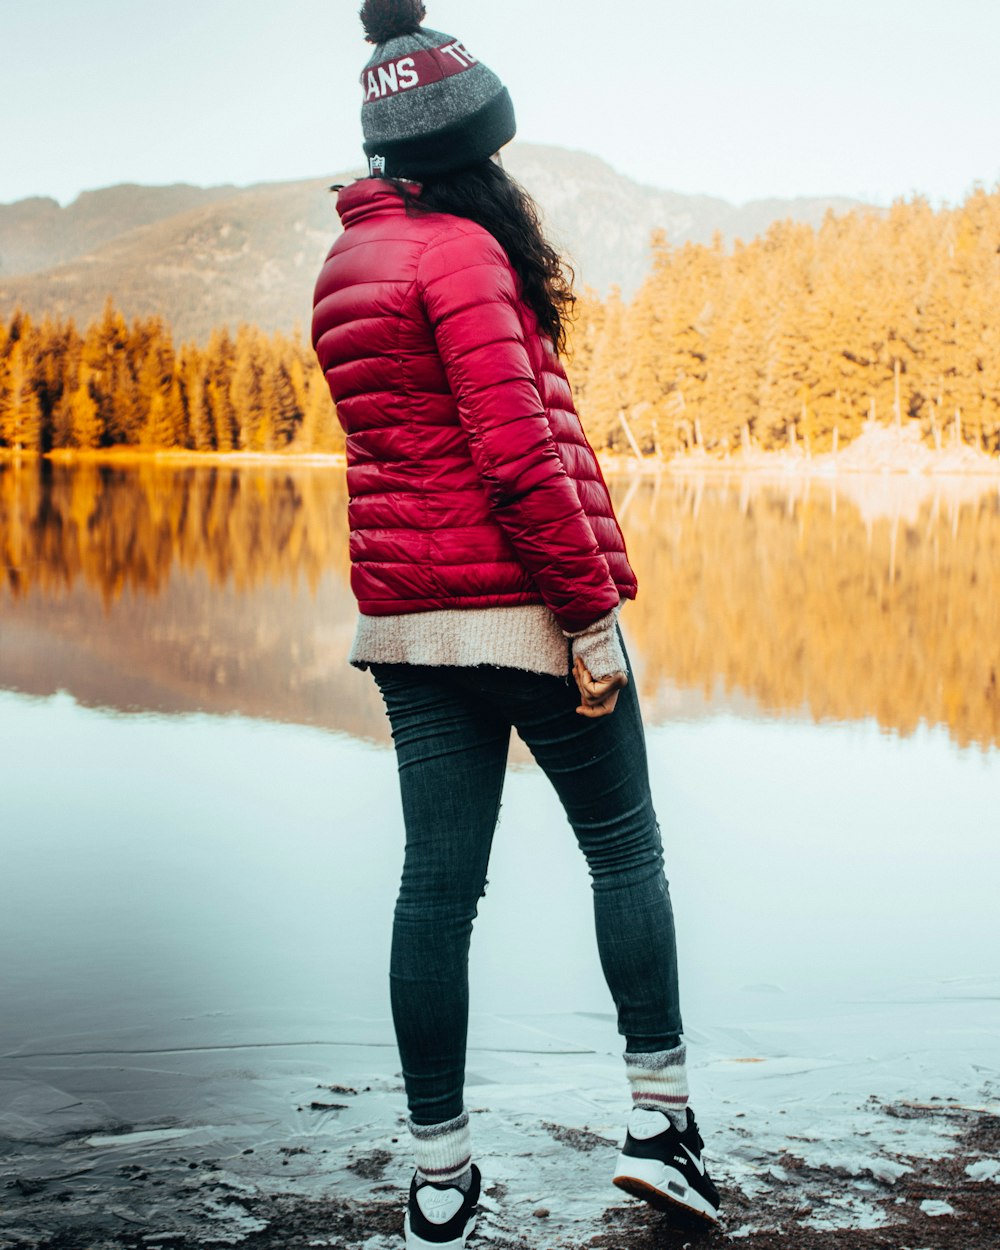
x,y
368,197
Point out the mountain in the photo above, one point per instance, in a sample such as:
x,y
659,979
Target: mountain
x,y
37,234
209,256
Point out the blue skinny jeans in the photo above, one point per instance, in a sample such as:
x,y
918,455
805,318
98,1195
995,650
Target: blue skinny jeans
x,y
451,728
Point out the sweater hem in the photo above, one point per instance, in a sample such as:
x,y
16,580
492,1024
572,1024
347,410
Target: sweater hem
x,y
526,637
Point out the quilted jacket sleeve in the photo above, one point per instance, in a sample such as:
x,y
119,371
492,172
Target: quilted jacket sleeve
x,y
470,296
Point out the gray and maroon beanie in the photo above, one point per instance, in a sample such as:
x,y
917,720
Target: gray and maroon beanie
x,y
430,107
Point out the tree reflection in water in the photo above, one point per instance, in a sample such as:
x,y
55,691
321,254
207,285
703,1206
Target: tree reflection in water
x,y
226,589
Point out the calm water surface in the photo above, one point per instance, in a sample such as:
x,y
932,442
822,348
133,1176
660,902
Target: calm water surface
x,y
199,826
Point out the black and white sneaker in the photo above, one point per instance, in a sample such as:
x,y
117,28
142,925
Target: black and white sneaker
x,y
441,1216
664,1167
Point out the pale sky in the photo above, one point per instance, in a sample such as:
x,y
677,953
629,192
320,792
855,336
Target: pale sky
x,y
742,99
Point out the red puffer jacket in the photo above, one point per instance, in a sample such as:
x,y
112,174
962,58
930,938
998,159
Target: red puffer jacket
x,y
471,481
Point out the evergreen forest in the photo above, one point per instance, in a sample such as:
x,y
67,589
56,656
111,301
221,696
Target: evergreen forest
x,y
793,340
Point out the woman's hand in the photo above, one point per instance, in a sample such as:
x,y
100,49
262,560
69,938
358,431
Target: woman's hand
x,y
597,698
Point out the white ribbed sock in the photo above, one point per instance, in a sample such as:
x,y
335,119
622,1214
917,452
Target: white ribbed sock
x,y
444,1151
659,1082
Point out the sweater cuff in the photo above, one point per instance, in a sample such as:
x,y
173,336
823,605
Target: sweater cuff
x,y
599,646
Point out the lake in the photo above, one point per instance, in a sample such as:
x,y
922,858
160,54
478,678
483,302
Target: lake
x,y
200,826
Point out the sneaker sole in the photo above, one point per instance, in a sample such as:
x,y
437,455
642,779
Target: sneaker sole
x,y
413,1242
662,1187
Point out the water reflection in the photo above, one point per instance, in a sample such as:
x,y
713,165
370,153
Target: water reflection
x,y
866,598
225,590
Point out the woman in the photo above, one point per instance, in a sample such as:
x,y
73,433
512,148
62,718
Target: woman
x,y
489,568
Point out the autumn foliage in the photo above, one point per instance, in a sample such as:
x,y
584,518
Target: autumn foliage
x,y
796,338
793,340
121,385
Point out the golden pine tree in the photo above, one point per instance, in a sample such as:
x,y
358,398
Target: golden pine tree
x,y
20,409
604,397
84,415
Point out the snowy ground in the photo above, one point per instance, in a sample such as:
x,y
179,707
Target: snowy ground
x,y
814,1122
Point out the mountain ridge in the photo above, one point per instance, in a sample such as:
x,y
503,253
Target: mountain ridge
x,y
208,256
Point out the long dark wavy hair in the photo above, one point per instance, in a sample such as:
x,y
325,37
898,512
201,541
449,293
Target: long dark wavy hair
x,y
489,196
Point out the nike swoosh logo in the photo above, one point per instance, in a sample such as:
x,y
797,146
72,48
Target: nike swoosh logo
x,y
697,1162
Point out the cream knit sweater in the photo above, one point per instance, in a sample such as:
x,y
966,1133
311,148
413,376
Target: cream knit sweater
x,y
526,637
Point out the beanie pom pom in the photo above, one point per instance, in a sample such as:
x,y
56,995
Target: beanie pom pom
x,y
388,19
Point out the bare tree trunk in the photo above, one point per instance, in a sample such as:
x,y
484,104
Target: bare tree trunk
x,y
628,434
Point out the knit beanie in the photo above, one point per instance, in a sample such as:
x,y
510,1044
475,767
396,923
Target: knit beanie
x,y
430,107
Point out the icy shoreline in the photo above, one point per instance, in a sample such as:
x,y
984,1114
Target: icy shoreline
x,y
814,1121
